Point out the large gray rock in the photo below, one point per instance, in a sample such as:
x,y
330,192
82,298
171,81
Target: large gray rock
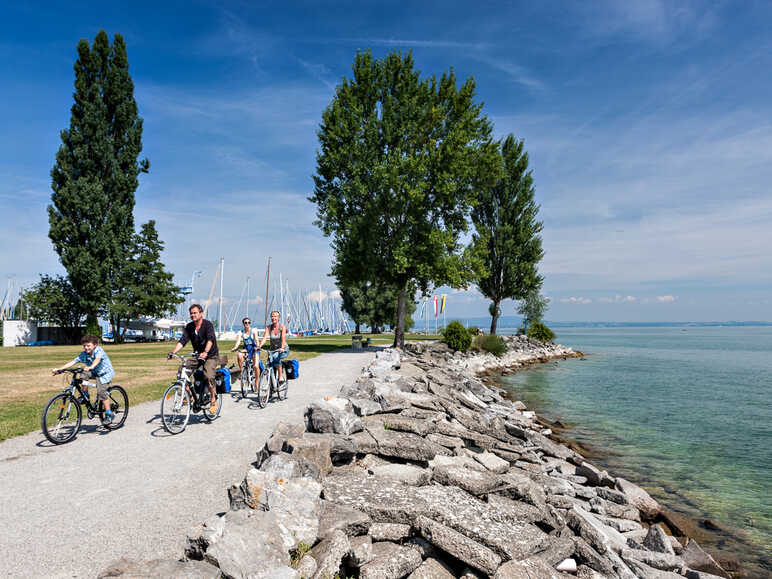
x,y
329,554
390,561
461,460
584,553
365,406
639,498
602,537
492,462
389,531
644,571
230,545
695,558
473,481
315,449
613,496
657,540
518,512
622,525
337,517
294,502
334,415
482,522
661,561
451,442
159,569
460,546
361,550
405,445
306,567
406,473
526,569
385,500
275,443
432,568
284,465
400,423
521,488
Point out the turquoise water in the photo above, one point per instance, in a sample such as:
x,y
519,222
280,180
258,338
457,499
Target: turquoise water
x,y
685,412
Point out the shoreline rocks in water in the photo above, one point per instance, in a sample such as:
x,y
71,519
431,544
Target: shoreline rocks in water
x,y
420,470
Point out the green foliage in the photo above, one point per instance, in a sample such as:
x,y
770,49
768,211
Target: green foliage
x,y
538,331
474,331
456,336
507,232
399,160
54,300
491,343
96,173
298,554
375,304
533,307
145,288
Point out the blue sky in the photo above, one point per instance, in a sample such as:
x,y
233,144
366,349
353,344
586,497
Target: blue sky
x,y
647,124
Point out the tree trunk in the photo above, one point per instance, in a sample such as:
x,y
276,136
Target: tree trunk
x,y
495,316
399,332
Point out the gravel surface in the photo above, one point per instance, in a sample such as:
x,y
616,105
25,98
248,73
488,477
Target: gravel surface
x,y
68,511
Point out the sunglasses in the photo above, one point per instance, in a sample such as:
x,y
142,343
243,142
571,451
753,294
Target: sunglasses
x,y
247,323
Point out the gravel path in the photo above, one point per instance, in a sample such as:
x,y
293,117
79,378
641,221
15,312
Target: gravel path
x,y
68,511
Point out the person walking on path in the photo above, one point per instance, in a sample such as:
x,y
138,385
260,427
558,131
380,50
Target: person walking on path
x,y
200,333
277,332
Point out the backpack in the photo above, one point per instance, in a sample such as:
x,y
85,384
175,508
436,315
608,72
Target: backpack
x,y
292,368
223,380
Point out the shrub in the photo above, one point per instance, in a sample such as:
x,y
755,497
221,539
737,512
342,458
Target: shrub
x,y
456,336
540,332
491,343
474,331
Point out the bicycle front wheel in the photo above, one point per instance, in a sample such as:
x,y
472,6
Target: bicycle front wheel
x,y
208,414
175,408
245,379
262,389
61,419
119,404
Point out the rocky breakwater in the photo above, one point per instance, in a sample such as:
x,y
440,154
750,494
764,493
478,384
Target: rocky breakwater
x,y
420,470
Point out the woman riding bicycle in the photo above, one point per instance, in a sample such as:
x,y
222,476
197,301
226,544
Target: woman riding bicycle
x,y
248,337
277,332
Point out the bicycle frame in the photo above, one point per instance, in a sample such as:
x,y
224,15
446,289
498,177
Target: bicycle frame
x,y
186,375
76,383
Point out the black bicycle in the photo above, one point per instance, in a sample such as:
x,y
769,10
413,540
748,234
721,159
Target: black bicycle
x,y
62,415
248,379
190,391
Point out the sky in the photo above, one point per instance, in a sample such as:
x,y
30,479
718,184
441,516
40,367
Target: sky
x,y
647,124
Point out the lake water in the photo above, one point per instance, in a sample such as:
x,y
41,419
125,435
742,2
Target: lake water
x,y
685,412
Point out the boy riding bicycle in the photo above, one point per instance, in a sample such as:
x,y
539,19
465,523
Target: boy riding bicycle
x,y
97,365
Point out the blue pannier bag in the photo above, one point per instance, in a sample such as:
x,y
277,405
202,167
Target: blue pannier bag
x,y
262,367
223,377
292,368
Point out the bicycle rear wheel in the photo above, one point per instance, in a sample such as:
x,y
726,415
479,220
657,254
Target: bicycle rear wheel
x,y
262,389
119,404
61,419
208,414
175,408
282,386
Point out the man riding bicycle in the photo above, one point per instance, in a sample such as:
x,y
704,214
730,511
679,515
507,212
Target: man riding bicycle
x,y
200,333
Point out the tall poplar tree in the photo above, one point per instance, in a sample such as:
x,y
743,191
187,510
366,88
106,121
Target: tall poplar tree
x,y
400,158
507,231
96,174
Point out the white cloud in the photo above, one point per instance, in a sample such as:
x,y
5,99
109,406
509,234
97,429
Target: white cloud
x,y
576,300
666,299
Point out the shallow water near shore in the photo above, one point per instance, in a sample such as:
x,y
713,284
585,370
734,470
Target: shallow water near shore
x,y
686,412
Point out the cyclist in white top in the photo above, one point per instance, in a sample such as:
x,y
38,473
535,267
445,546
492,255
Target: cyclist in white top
x,y
248,336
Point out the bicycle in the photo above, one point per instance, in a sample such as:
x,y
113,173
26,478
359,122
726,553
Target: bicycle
x,y
190,391
63,414
248,380
270,384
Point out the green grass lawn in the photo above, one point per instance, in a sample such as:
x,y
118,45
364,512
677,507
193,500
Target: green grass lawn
x,y
27,383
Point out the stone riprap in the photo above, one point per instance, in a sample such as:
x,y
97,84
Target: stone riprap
x,y
419,469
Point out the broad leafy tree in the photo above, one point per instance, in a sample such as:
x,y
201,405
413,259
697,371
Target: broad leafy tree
x,y
375,305
54,300
145,288
96,174
399,161
532,307
507,231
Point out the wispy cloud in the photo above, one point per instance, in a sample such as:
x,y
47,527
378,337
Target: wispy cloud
x,y
576,300
666,299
